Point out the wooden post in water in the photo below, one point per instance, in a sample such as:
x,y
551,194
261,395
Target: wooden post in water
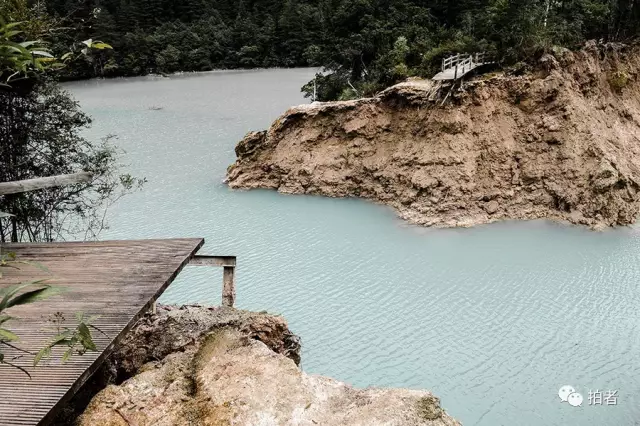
x,y
228,286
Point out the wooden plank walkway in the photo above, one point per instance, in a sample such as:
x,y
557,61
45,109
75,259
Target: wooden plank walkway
x,y
118,280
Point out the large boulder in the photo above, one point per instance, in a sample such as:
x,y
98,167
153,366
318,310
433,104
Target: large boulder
x,y
229,378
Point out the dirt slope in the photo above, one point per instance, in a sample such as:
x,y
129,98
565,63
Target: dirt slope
x,y
562,143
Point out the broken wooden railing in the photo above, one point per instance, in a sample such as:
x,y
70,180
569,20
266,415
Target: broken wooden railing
x,y
27,185
16,187
228,263
457,66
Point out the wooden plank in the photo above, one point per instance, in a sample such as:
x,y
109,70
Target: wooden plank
x,y
119,280
41,183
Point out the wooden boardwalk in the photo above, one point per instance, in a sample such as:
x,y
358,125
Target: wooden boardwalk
x,y
457,66
118,280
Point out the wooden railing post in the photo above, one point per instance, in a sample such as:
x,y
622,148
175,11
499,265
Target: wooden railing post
x,y
228,286
228,264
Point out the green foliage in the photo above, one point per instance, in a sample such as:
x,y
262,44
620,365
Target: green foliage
x,y
21,59
77,340
348,94
35,23
39,137
618,81
10,296
360,42
169,59
329,86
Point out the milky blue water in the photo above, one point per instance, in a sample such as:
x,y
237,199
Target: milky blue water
x,y
494,319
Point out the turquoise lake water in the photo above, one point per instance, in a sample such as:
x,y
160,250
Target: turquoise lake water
x,y
493,319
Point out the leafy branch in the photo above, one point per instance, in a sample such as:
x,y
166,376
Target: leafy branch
x,y
11,296
78,340
19,60
86,48
26,59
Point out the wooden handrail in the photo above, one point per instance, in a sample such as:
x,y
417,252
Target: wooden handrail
x,y
228,274
459,65
464,61
27,185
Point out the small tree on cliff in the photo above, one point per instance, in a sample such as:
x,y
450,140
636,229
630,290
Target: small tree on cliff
x,y
40,128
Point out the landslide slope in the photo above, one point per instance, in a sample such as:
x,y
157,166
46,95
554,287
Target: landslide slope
x,y
561,142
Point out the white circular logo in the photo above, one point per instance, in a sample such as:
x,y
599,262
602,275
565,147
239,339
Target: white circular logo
x,y
565,391
575,399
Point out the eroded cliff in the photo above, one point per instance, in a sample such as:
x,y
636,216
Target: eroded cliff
x,y
561,142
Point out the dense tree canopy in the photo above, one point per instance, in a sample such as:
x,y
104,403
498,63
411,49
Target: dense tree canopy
x,y
365,44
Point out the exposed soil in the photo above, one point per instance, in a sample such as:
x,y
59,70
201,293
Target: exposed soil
x,y
560,142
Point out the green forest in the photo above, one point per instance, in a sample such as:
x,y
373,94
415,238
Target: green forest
x,y
364,45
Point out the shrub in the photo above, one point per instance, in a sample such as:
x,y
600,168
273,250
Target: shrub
x,y
618,81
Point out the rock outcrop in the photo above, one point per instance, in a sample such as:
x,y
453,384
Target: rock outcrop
x,y
560,142
174,329
204,366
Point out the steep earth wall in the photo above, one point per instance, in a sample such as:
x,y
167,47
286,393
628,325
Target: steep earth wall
x,y
561,142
